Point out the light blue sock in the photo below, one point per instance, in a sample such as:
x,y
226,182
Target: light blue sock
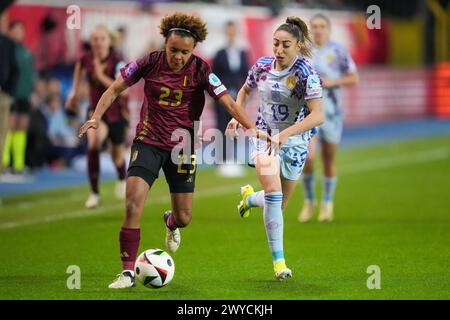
x,y
329,185
256,199
273,222
309,186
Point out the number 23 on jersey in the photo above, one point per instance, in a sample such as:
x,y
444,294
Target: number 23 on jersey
x,y
168,95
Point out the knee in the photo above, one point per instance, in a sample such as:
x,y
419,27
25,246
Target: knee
x,y
132,209
328,164
272,188
119,160
183,217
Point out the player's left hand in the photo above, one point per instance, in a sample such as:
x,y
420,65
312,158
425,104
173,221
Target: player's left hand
x,y
92,123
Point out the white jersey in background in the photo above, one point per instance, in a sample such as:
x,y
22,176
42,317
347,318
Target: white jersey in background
x,y
332,61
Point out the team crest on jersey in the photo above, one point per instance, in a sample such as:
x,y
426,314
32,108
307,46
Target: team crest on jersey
x,y
291,82
214,80
134,155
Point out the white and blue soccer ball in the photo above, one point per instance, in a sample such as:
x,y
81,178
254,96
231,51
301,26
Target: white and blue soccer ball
x,y
154,268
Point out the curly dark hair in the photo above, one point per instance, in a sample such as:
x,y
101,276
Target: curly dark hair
x,y
185,25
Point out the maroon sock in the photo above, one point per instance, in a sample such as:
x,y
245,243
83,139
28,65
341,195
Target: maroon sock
x,y
93,169
129,245
121,172
170,222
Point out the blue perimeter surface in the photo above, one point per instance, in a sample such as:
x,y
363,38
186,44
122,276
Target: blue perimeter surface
x,y
353,137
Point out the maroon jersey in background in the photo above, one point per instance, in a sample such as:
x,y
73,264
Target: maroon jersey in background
x,y
172,99
119,108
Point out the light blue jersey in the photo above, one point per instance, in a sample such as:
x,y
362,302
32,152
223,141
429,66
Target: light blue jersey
x,y
332,61
282,103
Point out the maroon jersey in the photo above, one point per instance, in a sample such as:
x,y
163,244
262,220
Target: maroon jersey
x,y
111,65
172,99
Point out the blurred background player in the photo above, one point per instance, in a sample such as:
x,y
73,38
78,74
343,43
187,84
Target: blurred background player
x,y
8,82
101,65
175,81
336,68
16,137
290,107
231,66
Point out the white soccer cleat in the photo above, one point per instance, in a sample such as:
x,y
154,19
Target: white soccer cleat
x,y
326,212
307,212
93,201
120,189
123,280
281,271
173,237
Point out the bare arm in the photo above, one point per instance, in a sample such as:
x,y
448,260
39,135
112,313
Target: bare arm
x,y
239,115
315,118
236,111
103,104
72,99
346,80
243,95
76,77
241,100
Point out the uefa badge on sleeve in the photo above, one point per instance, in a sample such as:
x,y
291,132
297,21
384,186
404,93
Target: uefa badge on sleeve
x,y
214,80
313,82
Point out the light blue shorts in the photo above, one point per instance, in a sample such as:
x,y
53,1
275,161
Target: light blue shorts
x,y
292,154
331,129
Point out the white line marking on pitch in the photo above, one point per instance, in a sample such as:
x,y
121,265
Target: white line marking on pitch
x,y
378,163
103,209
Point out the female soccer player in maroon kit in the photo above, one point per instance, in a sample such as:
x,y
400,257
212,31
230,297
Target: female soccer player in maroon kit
x,y
101,65
175,81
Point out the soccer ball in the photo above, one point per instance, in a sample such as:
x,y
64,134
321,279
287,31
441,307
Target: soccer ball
x,y
154,268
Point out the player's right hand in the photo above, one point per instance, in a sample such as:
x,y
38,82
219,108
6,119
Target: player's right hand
x,y
86,126
232,128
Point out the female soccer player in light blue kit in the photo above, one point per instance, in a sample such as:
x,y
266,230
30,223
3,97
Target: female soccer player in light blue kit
x,y
290,107
336,68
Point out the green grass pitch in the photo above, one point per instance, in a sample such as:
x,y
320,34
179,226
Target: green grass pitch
x,y
392,210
